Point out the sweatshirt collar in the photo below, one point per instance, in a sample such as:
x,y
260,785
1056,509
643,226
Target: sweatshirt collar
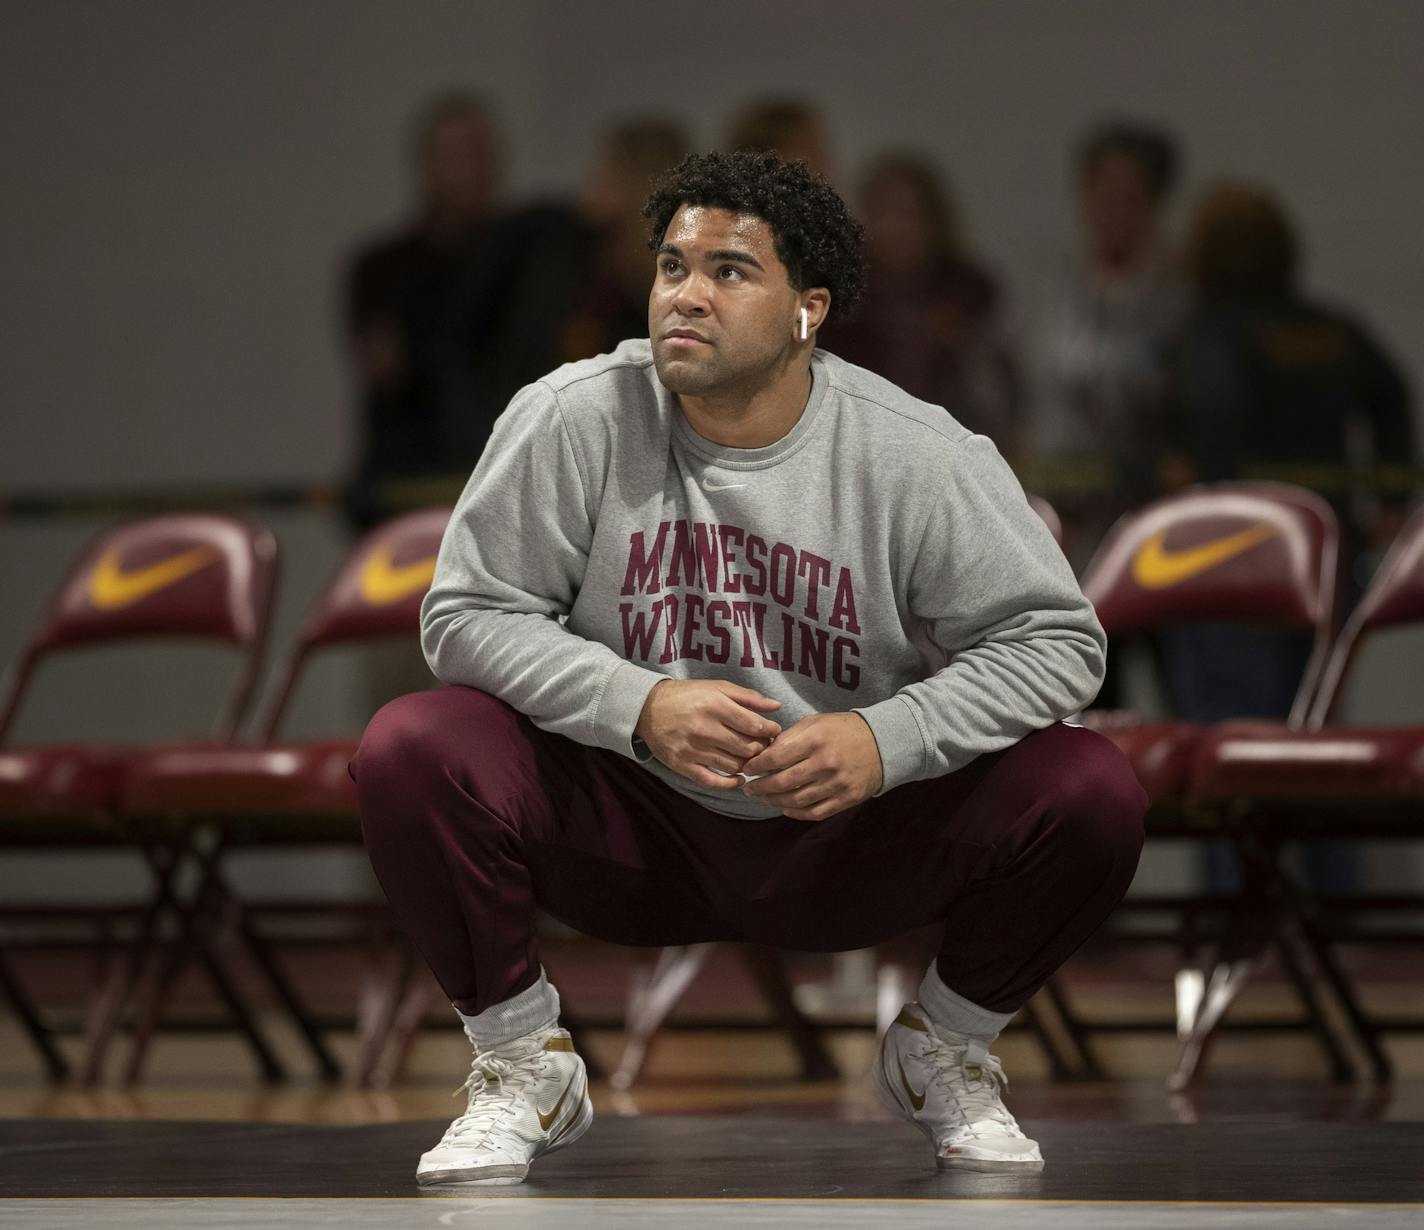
x,y
769,454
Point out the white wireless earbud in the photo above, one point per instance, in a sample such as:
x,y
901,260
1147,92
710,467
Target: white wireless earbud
x,y
803,324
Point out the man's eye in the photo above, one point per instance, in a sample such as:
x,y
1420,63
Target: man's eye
x,y
732,269
669,266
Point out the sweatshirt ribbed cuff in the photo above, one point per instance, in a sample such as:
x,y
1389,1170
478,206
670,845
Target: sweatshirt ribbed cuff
x,y
534,1008
621,705
897,734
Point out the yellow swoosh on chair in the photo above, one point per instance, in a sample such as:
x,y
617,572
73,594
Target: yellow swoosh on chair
x,y
1157,568
383,583
112,588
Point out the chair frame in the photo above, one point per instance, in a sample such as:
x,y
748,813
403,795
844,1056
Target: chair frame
x,y
162,850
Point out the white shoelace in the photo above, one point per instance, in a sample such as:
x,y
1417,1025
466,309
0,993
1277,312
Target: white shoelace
x,y
497,1079
973,1078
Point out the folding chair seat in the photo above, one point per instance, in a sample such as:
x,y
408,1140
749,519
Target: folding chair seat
x,y
307,779
288,793
1262,761
175,577
59,781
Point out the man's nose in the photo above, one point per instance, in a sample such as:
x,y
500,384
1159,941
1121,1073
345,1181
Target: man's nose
x,y
692,298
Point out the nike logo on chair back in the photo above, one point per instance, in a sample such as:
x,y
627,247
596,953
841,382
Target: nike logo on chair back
x,y
382,582
112,588
1154,567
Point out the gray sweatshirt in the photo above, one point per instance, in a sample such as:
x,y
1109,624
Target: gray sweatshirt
x,y
877,558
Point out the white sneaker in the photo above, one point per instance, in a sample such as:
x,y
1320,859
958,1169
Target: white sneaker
x,y
949,1088
528,1097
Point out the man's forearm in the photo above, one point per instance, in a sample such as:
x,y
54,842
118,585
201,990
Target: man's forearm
x,y
988,697
565,683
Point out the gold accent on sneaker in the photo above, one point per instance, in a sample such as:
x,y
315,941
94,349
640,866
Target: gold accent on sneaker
x,y
911,1022
545,1120
559,1044
569,1126
916,1100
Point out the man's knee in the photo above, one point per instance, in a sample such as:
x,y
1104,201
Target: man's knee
x,y
416,735
1098,803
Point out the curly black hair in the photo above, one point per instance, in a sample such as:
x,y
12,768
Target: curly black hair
x,y
815,235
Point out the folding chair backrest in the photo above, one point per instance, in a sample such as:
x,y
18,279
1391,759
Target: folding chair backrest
x,y
1230,551
1395,596
1247,552
203,576
375,595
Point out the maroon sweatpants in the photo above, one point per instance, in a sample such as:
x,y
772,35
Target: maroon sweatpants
x,y
473,816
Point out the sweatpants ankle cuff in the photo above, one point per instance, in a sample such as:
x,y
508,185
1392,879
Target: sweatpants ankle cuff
x,y
534,1008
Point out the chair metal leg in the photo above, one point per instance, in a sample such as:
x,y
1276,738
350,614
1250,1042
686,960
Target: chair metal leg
x,y
195,932
381,1015
1077,1031
413,1007
895,985
1261,859
267,961
1342,1071
56,1066
1366,1031
653,994
1204,997
240,919
164,858
1222,987
1058,1067
769,972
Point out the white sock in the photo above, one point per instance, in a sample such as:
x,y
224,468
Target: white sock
x,y
531,1010
953,1013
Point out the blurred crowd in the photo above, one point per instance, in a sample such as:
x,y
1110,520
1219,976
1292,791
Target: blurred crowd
x,y
1154,361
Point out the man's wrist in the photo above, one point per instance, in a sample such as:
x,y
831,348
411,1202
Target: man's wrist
x,y
643,726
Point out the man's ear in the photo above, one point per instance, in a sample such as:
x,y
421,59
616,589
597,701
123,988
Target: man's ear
x,y
817,302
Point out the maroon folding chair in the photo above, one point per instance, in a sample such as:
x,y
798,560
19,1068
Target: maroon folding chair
x,y
179,577
276,793
1332,781
1262,553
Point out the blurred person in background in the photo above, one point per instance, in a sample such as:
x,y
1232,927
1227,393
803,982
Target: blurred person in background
x,y
933,319
1264,382
611,302
788,127
417,309
571,278
409,315
1099,348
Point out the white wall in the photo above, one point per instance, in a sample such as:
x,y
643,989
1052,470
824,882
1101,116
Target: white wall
x,y
183,177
